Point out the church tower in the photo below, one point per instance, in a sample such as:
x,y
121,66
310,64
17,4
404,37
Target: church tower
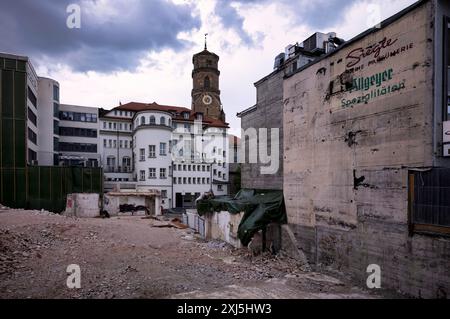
x,y
205,92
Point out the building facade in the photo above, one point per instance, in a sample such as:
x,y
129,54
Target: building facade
x,y
78,136
29,131
171,149
48,121
268,114
366,175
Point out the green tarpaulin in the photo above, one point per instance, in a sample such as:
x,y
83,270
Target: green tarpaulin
x,y
260,207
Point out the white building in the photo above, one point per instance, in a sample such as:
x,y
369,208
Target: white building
x,y
166,148
48,121
78,131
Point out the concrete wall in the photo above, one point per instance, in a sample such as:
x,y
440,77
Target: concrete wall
x,y
223,226
82,205
346,165
112,203
268,114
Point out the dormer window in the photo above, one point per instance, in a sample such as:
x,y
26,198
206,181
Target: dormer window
x,y
162,120
143,120
199,116
152,120
186,115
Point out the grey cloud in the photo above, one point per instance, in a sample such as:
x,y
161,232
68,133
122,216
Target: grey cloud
x,y
317,14
38,29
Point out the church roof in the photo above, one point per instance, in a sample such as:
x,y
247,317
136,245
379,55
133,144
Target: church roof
x,y
206,52
177,112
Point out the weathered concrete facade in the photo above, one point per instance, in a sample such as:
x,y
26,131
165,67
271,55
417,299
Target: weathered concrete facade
x,y
267,113
355,123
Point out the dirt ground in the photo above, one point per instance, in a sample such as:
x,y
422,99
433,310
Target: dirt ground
x,y
125,257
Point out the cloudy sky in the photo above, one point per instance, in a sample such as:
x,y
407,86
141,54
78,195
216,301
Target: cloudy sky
x,y
141,50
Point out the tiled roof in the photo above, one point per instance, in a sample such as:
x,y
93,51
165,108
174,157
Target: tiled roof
x,y
177,112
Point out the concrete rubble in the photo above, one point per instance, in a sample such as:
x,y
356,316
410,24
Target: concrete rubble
x,y
127,257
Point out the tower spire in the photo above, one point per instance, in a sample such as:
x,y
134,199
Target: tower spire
x,y
206,41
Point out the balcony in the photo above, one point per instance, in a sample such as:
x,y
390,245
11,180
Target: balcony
x,y
120,170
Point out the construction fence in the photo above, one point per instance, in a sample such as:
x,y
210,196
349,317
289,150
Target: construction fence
x,y
42,187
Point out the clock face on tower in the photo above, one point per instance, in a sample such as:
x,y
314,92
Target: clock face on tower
x,y
207,99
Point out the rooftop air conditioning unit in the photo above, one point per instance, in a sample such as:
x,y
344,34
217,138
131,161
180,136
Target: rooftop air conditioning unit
x,y
318,42
279,61
446,139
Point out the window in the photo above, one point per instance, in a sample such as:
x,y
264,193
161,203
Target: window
x,y
32,136
162,149
32,97
142,176
56,146
152,173
142,120
142,154
429,213
126,164
219,188
78,147
111,162
110,125
189,180
174,167
199,180
162,120
126,144
174,180
32,117
193,180
79,117
56,93
115,126
186,115
179,180
152,151
56,110
104,125
32,156
110,143
115,143
193,167
207,181
207,83
163,193
203,180
104,143
162,173
121,144
152,120
120,126
75,131
55,127
184,180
